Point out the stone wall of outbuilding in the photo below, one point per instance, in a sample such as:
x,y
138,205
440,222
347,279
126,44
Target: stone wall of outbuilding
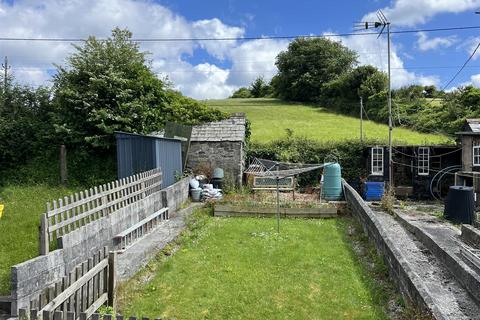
x,y
227,155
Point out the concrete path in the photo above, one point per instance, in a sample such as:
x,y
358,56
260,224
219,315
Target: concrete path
x,y
446,294
141,252
444,241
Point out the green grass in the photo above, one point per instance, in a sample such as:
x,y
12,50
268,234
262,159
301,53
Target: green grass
x,y
239,268
271,117
19,225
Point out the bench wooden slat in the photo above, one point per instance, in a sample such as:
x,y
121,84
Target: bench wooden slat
x,y
140,223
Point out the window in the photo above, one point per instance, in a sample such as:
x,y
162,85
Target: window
x,y
476,154
423,161
377,161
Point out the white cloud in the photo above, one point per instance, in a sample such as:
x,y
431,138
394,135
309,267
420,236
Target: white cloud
x,y
146,19
475,79
411,13
254,58
424,43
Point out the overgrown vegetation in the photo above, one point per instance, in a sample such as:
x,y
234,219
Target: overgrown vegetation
x,y
241,269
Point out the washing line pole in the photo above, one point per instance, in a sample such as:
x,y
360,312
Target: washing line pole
x,y
278,200
361,119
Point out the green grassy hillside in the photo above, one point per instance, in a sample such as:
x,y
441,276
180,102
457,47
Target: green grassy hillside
x,y
271,117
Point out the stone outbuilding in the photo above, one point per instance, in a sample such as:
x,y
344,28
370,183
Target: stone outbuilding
x,y
470,141
220,144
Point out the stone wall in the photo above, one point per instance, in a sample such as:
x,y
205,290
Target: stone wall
x,y
223,154
398,268
31,277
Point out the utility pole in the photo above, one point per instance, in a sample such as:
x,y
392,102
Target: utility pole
x,y
390,125
5,67
361,119
384,23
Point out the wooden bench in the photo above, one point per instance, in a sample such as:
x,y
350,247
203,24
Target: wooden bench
x,y
126,238
270,184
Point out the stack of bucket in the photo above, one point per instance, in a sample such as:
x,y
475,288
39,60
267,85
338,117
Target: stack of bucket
x,y
195,190
217,178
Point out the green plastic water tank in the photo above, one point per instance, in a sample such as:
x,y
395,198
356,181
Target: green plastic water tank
x,y
332,182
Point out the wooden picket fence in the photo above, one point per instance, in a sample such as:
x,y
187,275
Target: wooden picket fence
x,y
67,214
33,315
89,286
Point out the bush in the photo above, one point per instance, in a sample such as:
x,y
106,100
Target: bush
x,y
350,155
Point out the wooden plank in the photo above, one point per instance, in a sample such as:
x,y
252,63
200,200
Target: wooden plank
x,y
44,244
97,304
140,223
112,283
77,285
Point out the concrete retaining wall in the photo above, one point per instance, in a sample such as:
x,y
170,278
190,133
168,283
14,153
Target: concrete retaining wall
x,y
31,277
177,194
471,235
407,282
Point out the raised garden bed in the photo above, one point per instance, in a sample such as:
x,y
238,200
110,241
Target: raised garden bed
x,y
230,210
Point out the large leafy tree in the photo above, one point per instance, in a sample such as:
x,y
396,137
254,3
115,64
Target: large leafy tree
x,y
107,85
308,64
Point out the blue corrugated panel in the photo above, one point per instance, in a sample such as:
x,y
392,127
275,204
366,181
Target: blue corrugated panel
x,y
374,191
138,153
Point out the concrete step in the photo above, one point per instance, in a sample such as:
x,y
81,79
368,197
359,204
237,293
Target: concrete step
x,y
141,252
444,241
441,291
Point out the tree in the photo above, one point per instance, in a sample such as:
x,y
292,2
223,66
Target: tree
x,y
344,92
308,64
108,86
259,88
242,93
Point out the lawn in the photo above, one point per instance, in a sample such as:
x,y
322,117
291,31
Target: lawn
x,y
239,268
19,225
271,117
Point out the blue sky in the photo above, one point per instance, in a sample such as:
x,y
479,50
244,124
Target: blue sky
x,y
216,69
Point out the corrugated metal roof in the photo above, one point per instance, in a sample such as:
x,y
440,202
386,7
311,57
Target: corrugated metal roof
x,y
231,129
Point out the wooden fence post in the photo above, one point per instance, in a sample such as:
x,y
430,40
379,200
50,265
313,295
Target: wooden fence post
x,y
112,283
43,235
63,164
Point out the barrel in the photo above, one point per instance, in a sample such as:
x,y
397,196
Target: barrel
x,y
460,205
332,182
374,191
218,173
196,194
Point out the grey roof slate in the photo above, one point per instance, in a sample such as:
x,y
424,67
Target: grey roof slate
x,y
231,129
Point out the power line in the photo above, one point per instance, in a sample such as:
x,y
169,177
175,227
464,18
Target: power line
x,y
246,38
463,67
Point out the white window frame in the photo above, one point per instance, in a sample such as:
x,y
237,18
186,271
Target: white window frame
x,y
476,155
423,168
377,157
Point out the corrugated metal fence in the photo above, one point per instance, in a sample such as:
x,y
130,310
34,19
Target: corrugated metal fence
x,y
138,153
